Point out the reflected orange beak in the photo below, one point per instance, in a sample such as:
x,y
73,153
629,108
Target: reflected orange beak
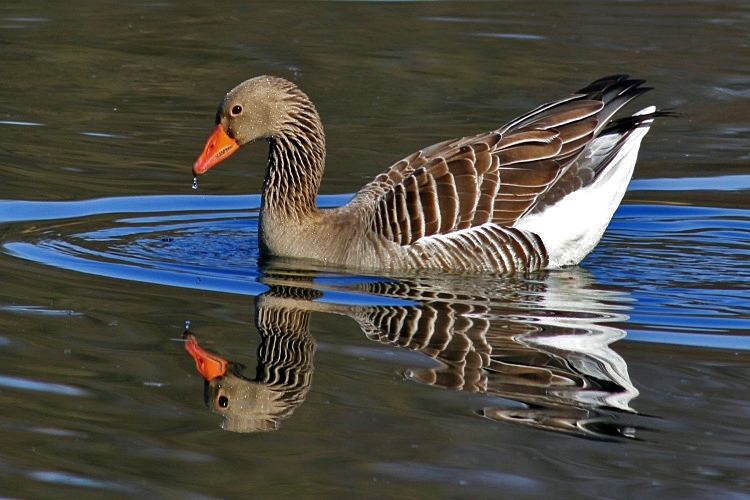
x,y
218,147
209,365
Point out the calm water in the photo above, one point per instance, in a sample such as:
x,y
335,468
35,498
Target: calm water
x,y
625,377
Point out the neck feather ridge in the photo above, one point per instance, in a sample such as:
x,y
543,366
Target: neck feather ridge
x,y
296,161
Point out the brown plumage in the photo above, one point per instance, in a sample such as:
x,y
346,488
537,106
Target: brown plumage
x,y
459,205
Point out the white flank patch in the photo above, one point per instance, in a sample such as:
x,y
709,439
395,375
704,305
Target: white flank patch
x,y
573,226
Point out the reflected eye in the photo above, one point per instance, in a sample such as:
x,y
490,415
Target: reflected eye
x,y
223,401
236,110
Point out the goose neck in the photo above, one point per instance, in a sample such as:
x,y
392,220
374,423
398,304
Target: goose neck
x,y
293,176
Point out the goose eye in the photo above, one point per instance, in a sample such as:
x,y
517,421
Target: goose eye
x,y
223,401
236,110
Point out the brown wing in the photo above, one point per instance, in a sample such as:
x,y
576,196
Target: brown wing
x,y
494,177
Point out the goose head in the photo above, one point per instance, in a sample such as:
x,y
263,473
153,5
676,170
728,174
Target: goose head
x,y
259,108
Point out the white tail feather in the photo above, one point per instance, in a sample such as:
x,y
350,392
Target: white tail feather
x,y
573,226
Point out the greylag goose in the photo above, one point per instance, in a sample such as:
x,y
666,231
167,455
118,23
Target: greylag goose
x,y
536,193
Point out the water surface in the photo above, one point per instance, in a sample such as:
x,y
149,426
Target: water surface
x,y
626,376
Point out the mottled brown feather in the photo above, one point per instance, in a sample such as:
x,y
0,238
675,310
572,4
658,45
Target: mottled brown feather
x,y
430,204
569,112
501,175
530,151
527,136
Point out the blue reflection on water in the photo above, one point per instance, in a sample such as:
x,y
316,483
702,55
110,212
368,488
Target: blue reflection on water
x,y
37,386
685,266
716,183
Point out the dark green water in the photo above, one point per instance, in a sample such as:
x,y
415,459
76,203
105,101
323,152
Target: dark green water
x,y
626,377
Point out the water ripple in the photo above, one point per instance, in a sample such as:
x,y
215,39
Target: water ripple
x,y
686,266
37,386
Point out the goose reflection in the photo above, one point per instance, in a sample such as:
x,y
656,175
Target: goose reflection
x,y
538,346
283,372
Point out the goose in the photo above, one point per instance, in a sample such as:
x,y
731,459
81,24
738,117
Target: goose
x,y
536,193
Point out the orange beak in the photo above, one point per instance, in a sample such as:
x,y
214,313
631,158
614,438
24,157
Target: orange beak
x,y
218,147
209,365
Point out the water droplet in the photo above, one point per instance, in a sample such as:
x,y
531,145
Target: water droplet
x,y
195,183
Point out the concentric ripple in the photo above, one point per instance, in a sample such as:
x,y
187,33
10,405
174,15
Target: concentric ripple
x,y
187,241
685,266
